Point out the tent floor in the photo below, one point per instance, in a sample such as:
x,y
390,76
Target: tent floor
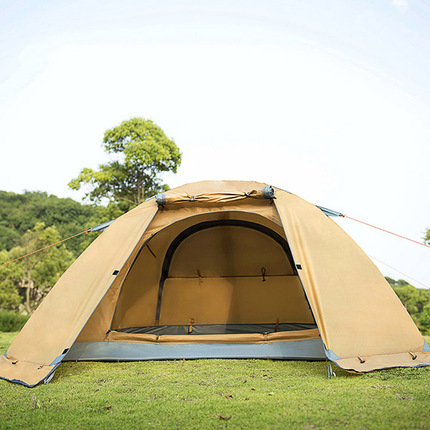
x,y
309,349
301,342
207,329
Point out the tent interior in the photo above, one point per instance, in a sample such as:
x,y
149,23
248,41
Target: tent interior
x,y
220,277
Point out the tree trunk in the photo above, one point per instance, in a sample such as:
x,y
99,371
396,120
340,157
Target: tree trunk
x,y
29,284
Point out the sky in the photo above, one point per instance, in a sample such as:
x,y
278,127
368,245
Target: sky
x,y
327,99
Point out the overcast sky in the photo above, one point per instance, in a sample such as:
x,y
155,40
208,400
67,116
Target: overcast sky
x,y
327,99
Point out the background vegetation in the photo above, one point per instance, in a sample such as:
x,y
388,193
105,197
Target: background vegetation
x,y
31,221
416,301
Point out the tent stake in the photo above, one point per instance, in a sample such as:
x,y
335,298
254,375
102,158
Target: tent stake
x,y
48,379
331,374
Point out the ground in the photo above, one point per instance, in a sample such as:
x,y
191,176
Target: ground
x,y
195,394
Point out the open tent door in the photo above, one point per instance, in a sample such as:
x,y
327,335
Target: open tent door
x,y
229,282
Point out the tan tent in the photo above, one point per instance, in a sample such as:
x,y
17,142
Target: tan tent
x,y
219,269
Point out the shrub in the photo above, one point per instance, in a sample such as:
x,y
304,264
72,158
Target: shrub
x,y
12,321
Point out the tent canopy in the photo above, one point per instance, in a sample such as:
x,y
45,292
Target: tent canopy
x,y
219,269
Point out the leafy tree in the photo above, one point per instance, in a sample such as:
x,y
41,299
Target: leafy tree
x,y
427,237
36,274
9,296
140,153
424,319
21,212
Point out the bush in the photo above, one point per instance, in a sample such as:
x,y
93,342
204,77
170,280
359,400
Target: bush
x,y
12,321
416,301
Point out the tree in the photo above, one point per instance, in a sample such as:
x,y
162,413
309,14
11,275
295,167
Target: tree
x,y
141,152
425,317
21,212
35,275
9,296
427,237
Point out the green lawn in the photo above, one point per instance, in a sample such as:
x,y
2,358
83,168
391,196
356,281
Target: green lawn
x,y
246,394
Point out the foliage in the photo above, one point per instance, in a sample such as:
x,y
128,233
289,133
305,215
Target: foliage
x,y
12,321
36,274
20,213
9,294
427,237
212,394
416,301
424,319
141,152
22,216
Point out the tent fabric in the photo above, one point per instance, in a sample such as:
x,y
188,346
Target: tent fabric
x,y
384,361
218,253
211,198
56,323
216,338
356,310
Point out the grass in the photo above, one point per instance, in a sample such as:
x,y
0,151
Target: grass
x,y
12,321
217,394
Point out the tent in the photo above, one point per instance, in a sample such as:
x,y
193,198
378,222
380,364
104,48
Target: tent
x,y
219,269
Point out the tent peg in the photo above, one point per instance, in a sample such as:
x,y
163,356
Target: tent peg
x,y
331,374
48,379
